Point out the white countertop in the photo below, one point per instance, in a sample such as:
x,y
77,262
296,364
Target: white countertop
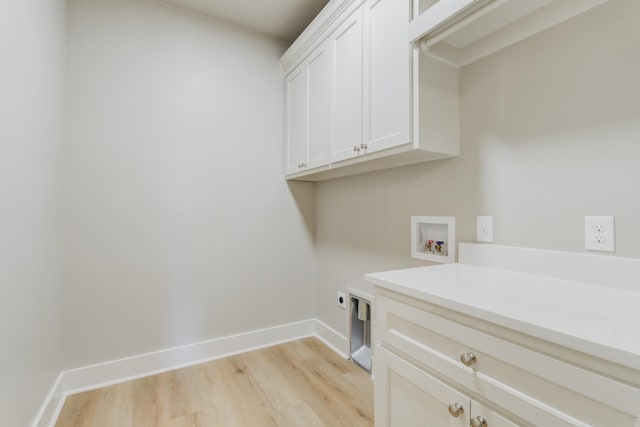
x,y
597,320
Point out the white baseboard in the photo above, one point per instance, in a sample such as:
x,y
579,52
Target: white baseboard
x,y
333,339
129,368
49,411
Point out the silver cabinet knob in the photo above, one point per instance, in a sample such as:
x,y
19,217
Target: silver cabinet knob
x,y
363,146
479,422
468,359
456,409
356,148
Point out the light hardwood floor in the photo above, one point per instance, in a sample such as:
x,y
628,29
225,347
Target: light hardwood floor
x,y
302,383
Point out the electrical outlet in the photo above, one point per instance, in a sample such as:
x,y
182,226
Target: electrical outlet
x,y
484,229
342,300
599,233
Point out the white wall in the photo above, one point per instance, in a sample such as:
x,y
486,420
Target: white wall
x,y
550,133
31,116
178,223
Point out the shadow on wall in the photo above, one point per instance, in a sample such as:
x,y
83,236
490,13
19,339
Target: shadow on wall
x,y
370,213
304,194
538,93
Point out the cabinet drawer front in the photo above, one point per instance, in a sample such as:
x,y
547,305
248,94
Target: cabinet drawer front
x,y
408,396
529,384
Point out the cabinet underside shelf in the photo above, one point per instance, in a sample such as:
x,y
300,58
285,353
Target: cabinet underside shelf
x,y
392,158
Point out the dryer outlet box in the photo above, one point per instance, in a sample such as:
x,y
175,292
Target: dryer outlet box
x,y
342,300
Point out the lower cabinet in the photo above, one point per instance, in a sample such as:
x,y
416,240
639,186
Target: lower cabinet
x,y
406,396
437,367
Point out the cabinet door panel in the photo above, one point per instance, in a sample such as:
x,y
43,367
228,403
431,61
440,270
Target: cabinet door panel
x,y
387,59
408,396
346,111
319,83
296,144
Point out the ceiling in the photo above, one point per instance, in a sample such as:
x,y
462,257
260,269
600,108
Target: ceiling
x,y
284,19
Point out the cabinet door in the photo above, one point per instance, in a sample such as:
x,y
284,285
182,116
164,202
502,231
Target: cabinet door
x,y
492,418
318,68
297,125
387,83
346,90
406,396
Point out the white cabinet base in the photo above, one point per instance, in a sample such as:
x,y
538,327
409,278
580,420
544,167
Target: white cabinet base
x,y
509,378
406,395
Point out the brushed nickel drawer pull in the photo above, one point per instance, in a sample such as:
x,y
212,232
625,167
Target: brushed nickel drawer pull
x,y
479,422
468,359
456,409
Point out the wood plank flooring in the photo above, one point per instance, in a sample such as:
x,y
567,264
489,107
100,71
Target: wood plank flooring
x,y
302,383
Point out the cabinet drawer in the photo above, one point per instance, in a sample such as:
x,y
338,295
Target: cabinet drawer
x,y
530,385
408,396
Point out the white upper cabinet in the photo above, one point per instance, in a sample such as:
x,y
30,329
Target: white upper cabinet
x,y
387,107
307,133
463,31
371,80
346,88
297,127
387,59
318,68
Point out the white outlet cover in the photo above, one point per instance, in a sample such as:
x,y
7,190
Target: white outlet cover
x,y
342,300
484,229
599,233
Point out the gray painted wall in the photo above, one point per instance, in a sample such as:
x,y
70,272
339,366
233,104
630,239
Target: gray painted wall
x,y
32,49
178,224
